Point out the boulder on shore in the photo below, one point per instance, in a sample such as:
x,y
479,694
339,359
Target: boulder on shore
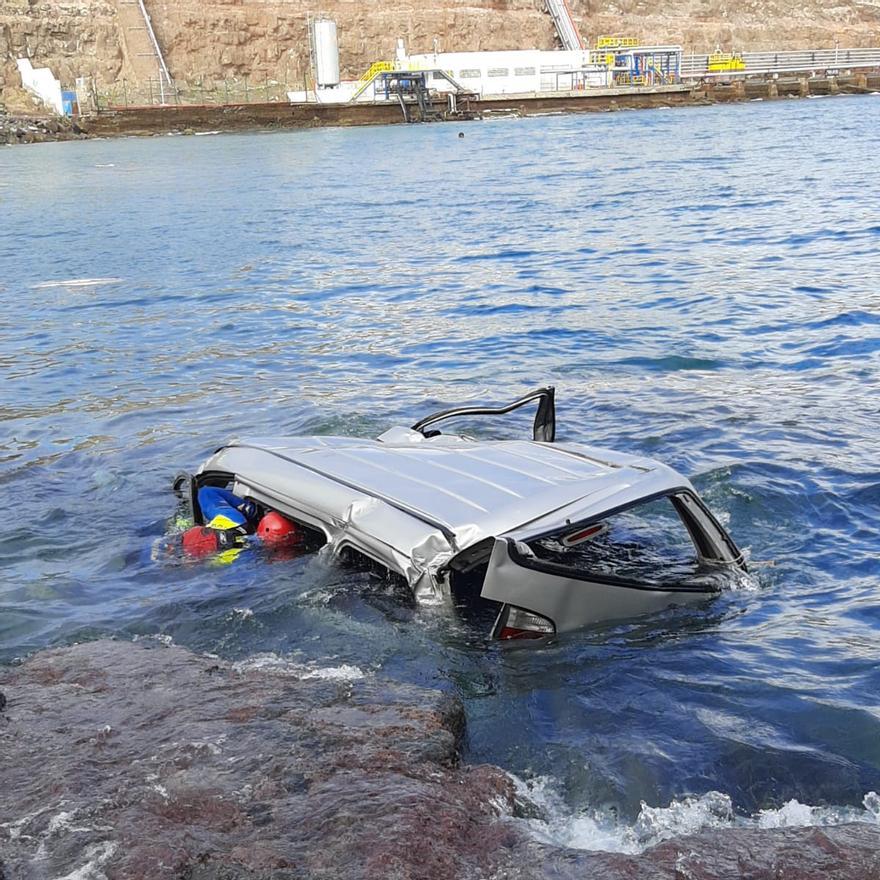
x,y
37,129
125,761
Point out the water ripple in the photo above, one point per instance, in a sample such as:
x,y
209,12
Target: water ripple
x,y
697,296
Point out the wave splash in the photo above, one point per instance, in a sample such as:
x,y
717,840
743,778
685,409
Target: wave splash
x,y
549,819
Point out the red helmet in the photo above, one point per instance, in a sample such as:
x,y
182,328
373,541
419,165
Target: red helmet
x,y
199,541
275,530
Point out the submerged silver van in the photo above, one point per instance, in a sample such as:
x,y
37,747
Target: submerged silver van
x,y
559,535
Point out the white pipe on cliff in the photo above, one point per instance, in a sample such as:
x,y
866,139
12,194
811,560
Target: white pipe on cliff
x,y
163,69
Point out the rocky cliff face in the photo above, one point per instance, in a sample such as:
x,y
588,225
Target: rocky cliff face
x,y
72,37
266,40
701,25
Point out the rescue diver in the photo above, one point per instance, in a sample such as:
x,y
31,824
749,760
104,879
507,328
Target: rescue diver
x,y
230,522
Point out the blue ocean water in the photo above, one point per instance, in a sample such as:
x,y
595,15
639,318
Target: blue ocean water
x,y
702,286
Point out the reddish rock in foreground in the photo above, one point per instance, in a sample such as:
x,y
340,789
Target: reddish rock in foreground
x,y
152,763
120,761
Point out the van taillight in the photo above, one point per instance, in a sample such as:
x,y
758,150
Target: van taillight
x,y
521,624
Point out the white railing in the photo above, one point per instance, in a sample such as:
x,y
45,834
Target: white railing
x,y
164,75
800,61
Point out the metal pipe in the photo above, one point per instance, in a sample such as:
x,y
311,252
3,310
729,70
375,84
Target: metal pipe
x,y
162,66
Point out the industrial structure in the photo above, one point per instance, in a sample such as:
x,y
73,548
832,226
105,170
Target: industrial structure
x,y
616,61
424,84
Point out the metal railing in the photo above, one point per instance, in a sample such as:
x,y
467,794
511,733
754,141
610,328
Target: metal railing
x,y
370,75
157,92
800,61
565,26
164,75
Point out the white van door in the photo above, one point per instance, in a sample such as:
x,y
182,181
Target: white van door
x,y
572,600
657,552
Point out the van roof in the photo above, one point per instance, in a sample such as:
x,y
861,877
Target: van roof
x,y
453,490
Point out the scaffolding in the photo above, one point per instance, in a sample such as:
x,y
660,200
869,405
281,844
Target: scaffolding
x,y
646,66
410,88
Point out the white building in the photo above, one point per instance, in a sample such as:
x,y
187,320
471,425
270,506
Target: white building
x,y
514,72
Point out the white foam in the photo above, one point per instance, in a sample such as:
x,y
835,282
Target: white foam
x,y
557,825
15,829
60,822
162,638
76,282
795,814
96,856
602,830
740,581
274,663
336,673
268,662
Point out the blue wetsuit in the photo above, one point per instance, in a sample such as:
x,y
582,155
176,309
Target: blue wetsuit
x,y
231,517
221,509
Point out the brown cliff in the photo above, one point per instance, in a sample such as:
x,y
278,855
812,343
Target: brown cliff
x,y
265,41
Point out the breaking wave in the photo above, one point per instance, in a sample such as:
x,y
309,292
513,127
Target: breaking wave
x,y
549,819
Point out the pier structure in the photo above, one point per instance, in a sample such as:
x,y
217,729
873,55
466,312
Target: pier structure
x,y
454,78
830,62
617,73
147,120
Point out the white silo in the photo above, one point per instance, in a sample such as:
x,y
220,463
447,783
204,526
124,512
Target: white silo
x,y
325,48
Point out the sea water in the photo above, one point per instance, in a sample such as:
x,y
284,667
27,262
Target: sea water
x,y
702,286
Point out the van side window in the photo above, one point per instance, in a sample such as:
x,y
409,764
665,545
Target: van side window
x,y
646,543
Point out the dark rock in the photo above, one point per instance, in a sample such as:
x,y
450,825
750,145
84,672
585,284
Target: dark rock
x,y
842,852
28,130
2,701
121,761
241,773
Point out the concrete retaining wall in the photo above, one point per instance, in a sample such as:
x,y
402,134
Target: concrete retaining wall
x,y
243,117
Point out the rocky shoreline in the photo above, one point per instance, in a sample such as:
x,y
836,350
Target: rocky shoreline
x,y
127,761
187,119
37,129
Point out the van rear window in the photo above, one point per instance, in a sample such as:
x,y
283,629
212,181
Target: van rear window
x,y
646,543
